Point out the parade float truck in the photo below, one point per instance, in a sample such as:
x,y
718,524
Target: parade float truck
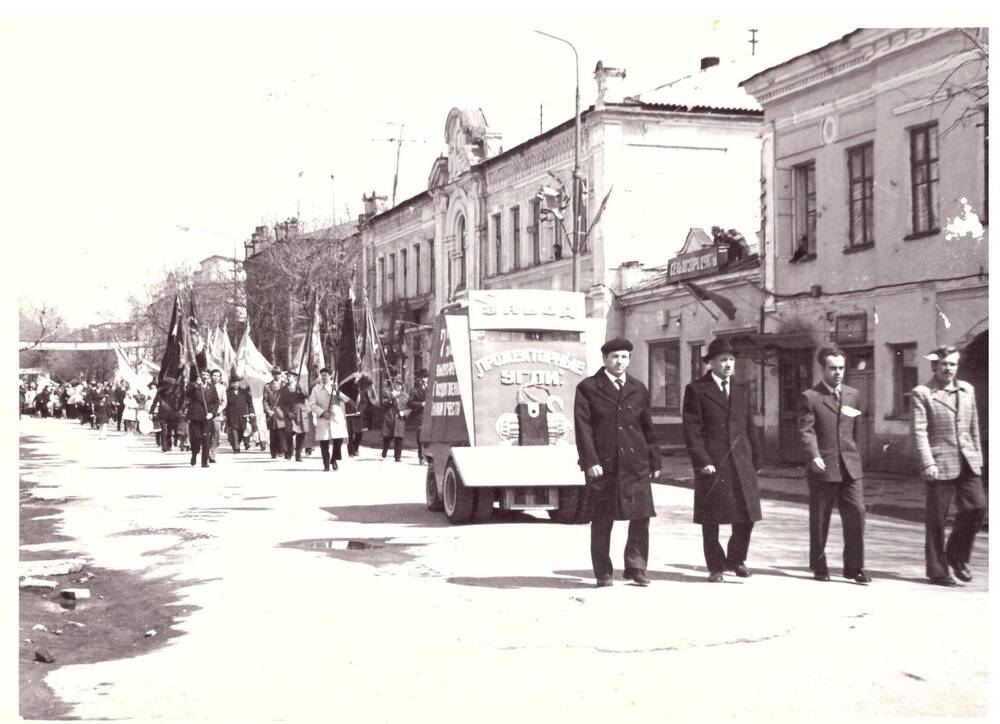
x,y
498,422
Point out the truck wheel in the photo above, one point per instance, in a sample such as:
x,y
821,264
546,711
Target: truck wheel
x,y
569,506
458,500
431,490
483,509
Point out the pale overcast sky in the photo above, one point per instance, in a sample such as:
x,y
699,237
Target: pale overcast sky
x,y
123,125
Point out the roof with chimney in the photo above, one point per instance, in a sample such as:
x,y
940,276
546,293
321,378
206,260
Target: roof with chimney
x,y
712,89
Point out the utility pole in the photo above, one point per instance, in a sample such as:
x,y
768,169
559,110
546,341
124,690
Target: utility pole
x,y
753,41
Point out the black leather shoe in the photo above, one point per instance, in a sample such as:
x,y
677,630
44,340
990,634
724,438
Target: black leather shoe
x,y
603,582
205,465
715,577
858,576
945,580
637,576
334,465
741,570
962,572
821,575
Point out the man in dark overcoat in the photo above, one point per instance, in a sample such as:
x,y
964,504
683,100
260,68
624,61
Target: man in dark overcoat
x,y
718,420
202,407
274,415
827,419
619,455
418,398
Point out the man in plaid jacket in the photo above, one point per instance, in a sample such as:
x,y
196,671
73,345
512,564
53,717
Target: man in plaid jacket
x,y
945,429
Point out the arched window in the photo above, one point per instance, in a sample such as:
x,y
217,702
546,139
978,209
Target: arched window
x,y
460,234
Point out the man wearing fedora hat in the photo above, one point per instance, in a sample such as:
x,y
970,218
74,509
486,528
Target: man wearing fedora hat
x,y
619,456
718,419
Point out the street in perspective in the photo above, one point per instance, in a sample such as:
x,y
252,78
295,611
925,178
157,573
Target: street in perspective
x,y
670,401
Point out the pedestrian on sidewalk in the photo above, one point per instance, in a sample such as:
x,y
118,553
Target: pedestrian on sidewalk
x,y
619,455
827,418
719,431
202,407
418,397
394,399
274,414
326,402
944,423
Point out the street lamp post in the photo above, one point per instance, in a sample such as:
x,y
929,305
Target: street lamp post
x,y
575,241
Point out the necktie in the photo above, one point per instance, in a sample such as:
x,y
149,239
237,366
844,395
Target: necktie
x,y
836,394
725,388
619,382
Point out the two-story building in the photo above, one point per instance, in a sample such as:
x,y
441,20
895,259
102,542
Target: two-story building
x,y
875,172
683,155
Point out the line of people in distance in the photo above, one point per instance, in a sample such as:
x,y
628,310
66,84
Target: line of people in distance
x,y
98,404
619,457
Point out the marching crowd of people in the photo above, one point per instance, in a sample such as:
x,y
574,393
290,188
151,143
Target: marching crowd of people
x,y
212,410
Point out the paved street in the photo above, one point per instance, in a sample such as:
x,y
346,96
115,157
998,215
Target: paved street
x,y
280,620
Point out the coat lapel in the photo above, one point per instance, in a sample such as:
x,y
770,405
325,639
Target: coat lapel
x,y
941,395
713,392
605,386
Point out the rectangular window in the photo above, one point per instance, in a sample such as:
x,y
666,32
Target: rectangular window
x,y
664,376
416,268
536,232
383,296
484,255
861,197
431,270
392,277
498,241
697,366
515,225
924,178
404,263
804,201
904,377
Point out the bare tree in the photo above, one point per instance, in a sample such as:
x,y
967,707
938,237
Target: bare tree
x,y
37,325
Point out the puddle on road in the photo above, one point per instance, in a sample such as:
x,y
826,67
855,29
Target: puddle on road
x,y
373,551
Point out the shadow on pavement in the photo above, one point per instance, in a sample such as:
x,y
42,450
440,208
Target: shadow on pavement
x,y
413,514
512,582
654,575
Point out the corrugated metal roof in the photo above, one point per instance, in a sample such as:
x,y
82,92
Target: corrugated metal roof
x,y
716,88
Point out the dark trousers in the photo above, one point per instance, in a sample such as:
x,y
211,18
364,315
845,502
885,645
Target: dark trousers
x,y
636,546
324,449
118,417
276,442
294,441
354,443
849,496
236,436
420,448
167,431
718,560
967,489
200,432
397,447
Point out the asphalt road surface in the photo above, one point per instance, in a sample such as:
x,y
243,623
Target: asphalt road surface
x,y
309,595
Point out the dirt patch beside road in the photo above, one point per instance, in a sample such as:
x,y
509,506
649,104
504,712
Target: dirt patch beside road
x,y
111,624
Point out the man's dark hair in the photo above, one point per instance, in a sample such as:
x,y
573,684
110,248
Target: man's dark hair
x,y
827,352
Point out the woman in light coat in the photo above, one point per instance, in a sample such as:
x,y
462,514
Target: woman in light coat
x,y
327,403
130,415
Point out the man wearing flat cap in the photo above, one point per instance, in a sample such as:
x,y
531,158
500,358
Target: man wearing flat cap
x,y
619,456
274,413
944,424
718,419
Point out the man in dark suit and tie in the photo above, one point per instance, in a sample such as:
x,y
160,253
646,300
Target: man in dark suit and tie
x,y
619,455
945,428
827,416
721,438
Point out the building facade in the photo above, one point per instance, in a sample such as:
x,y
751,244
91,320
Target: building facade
x,y
875,172
682,155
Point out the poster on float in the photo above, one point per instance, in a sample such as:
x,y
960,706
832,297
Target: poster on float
x,y
444,412
524,385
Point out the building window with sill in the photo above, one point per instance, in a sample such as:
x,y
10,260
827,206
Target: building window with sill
x,y
404,263
804,210
861,195
432,271
904,377
392,278
924,178
535,230
498,242
460,262
416,267
664,376
383,297
515,227
697,366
